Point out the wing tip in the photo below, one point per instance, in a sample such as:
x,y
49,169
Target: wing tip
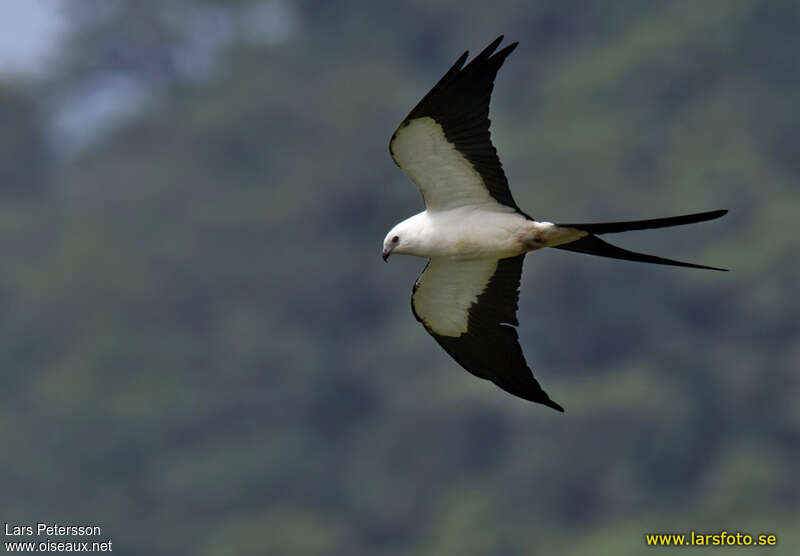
x,y
489,51
509,49
550,403
493,45
460,62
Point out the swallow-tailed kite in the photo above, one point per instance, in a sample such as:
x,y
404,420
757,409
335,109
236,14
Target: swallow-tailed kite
x,y
474,234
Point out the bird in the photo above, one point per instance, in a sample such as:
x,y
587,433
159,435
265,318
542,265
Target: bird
x,y
474,235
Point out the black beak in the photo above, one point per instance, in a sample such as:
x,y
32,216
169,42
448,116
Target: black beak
x,y
385,254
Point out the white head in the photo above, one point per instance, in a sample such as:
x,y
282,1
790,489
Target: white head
x,y
405,238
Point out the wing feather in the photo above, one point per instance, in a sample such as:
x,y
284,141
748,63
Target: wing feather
x,y
444,144
470,308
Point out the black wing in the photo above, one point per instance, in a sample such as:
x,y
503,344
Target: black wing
x,y
470,308
444,143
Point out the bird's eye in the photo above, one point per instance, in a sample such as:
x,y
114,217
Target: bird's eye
x,y
395,239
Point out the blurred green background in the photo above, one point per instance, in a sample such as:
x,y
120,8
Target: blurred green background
x,y
203,353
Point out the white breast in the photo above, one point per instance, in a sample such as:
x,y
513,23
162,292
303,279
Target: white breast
x,y
470,233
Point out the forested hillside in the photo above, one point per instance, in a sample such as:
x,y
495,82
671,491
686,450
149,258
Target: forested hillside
x,y
203,353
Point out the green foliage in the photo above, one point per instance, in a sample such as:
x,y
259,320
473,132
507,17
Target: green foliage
x,y
203,353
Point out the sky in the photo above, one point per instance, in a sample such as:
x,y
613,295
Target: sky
x,y
29,33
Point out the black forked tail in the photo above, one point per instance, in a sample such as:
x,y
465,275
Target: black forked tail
x,y
593,245
614,227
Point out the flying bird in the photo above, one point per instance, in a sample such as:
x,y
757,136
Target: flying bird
x,y
474,234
